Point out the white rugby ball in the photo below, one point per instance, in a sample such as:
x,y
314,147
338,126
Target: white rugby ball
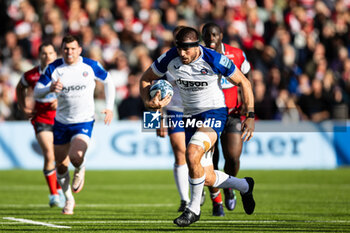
x,y
164,86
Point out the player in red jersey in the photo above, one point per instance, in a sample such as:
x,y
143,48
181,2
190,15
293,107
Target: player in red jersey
x,y
42,118
231,141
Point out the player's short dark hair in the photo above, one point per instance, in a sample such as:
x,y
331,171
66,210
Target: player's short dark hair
x,y
70,38
187,33
209,26
177,29
45,44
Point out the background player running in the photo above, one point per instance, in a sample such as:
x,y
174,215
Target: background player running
x,y
231,141
42,116
73,79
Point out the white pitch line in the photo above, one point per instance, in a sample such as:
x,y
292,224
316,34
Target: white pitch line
x,y
34,222
205,221
125,205
168,221
91,205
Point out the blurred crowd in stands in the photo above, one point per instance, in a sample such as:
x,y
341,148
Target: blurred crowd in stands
x,y
298,49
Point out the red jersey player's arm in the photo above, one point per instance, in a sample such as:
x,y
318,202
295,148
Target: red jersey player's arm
x,y
248,125
21,99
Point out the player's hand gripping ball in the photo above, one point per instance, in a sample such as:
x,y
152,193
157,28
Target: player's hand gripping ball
x,y
164,86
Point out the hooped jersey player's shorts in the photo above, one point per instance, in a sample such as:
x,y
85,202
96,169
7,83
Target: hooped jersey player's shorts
x,y
215,119
63,133
175,117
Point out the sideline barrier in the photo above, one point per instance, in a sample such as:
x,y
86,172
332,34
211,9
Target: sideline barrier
x,y
123,145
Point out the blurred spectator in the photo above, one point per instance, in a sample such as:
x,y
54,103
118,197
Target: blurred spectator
x,y
95,53
318,53
10,44
217,12
286,108
132,107
35,39
275,82
17,64
54,26
129,28
23,26
118,8
269,10
345,76
265,107
109,42
152,34
4,17
88,39
270,27
304,86
77,17
104,16
6,97
187,10
266,60
139,58
170,19
339,106
315,105
339,60
143,9
92,9
119,74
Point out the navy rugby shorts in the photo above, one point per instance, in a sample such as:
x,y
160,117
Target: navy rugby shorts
x,y
215,119
174,126
63,133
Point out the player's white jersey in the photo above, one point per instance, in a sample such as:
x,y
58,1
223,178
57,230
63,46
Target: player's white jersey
x,y
76,100
198,81
176,101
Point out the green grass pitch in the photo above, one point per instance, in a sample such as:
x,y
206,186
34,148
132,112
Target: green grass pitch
x,y
146,201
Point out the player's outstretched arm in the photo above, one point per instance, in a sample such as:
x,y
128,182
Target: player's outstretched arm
x,y
145,84
248,125
109,116
109,97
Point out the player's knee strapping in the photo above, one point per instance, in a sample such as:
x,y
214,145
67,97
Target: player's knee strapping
x,y
207,159
201,139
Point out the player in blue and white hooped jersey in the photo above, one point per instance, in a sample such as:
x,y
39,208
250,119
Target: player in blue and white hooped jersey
x,y
197,71
174,113
72,78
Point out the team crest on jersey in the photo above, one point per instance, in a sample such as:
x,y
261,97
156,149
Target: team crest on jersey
x,y
85,73
204,71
